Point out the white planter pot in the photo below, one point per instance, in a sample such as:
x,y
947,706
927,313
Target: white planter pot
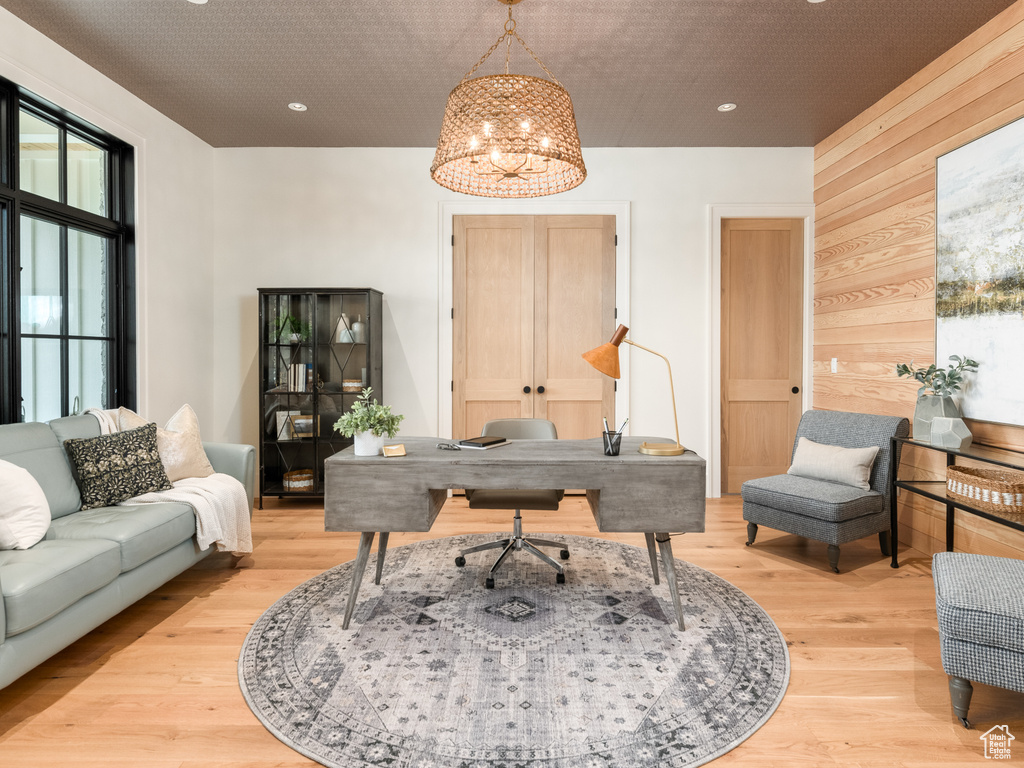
x,y
368,444
928,407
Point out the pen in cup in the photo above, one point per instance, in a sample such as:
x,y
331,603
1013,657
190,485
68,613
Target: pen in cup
x,y
624,423
606,427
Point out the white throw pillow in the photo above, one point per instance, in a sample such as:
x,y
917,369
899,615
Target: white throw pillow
x,y
179,444
849,466
24,511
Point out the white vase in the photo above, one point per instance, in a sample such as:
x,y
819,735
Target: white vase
x,y
368,444
928,407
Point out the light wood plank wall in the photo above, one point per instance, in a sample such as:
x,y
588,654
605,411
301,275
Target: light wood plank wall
x,y
874,277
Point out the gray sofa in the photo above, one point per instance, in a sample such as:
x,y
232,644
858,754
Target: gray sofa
x,y
92,563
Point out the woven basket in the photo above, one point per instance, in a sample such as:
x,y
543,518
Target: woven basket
x,y
299,480
991,490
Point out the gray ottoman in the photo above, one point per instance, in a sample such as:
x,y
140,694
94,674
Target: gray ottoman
x,y
980,604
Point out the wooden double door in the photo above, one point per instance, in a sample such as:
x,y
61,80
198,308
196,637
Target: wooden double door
x,y
531,295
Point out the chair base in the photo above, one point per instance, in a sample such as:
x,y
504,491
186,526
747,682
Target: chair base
x,y
518,541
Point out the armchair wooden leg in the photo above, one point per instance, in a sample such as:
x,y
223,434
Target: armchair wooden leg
x,y
833,557
960,691
751,533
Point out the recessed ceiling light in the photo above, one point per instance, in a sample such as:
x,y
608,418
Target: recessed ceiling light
x,y
809,1
727,107
297,107
198,2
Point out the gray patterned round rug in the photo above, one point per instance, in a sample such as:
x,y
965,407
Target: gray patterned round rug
x,y
438,672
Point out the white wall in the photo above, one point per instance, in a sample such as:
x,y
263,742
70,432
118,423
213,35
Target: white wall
x,y
369,218
215,225
175,213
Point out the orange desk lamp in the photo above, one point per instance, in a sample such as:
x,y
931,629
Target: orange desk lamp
x,y
606,360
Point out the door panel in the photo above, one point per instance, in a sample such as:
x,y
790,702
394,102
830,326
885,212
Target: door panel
x,y
493,323
575,290
762,354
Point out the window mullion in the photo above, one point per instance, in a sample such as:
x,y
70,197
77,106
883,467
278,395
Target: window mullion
x,y
65,314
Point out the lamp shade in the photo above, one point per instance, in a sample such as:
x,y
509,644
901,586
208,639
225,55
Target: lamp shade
x,y
606,357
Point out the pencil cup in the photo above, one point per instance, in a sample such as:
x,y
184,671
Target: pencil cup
x,y
612,441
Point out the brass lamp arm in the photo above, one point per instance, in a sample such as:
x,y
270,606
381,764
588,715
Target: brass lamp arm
x,y
671,385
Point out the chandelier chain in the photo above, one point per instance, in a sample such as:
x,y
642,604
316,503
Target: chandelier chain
x,y
507,35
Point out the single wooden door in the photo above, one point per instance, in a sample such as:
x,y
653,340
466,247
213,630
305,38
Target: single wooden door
x,y
762,338
531,294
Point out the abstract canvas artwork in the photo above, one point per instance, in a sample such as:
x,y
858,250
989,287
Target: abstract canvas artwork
x,y
979,270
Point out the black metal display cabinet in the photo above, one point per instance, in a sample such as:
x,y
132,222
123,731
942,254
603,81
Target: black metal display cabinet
x,y
318,349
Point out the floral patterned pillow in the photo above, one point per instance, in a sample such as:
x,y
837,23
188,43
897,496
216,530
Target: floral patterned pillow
x,y
112,468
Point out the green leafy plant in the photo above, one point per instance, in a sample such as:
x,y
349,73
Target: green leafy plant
x,y
286,325
941,381
368,416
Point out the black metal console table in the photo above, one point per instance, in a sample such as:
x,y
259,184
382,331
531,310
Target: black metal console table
x,y
936,491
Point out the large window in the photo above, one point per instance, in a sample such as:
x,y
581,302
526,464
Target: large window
x,y
67,327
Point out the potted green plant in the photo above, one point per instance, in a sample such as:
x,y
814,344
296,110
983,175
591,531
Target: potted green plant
x,y
935,397
368,422
292,329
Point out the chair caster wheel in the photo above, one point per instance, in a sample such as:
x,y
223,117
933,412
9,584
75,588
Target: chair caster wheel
x,y
564,554
460,561
966,724
747,543
560,578
489,583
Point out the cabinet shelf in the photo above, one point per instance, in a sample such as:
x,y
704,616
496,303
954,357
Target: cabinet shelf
x,y
316,361
936,491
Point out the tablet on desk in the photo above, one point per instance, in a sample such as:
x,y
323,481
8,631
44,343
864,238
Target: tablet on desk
x,y
483,442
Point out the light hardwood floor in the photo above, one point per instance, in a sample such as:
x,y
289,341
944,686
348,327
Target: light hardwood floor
x,y
156,686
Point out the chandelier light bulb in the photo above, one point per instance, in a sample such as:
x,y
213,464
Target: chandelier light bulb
x,y
525,125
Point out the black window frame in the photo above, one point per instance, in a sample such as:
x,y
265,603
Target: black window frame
x,y
118,227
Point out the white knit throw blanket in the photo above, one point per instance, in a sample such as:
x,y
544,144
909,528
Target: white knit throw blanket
x,y
221,507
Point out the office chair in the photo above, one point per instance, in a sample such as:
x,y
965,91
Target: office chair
x,y
514,429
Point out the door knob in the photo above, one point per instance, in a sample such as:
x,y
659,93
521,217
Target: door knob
x,y
796,390
526,390
540,390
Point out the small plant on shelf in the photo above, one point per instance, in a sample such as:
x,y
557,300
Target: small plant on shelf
x,y
368,415
941,381
292,328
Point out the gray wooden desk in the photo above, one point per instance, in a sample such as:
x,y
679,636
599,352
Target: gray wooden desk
x,y
628,493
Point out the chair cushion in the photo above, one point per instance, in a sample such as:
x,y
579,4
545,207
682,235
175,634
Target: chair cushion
x,y
980,599
40,582
141,531
511,499
849,466
814,498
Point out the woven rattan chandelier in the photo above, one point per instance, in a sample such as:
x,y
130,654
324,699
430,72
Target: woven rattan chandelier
x,y
508,135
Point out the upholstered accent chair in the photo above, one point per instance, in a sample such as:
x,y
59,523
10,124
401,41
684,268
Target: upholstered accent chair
x,y
979,600
829,511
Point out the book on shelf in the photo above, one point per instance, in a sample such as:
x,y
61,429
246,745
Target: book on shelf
x,y
483,442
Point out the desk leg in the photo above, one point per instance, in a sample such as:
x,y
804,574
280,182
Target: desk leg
x,y
665,544
653,555
382,547
365,540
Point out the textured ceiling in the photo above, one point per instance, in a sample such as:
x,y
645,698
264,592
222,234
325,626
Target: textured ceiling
x,y
378,72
